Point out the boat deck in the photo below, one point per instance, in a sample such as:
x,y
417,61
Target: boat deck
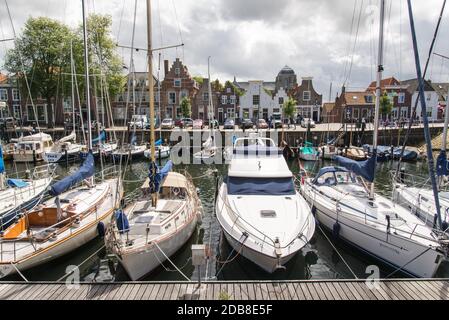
x,y
393,289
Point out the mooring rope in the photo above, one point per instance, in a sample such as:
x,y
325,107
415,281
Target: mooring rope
x,y
173,264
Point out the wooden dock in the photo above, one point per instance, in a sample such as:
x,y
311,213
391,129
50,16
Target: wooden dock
x,y
397,289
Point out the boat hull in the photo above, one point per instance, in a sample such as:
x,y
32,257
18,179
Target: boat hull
x,y
417,260
141,262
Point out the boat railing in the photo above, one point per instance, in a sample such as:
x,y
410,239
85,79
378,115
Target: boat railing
x,y
408,234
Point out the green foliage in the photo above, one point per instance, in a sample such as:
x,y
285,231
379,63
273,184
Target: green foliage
x,y
199,79
289,107
217,86
186,107
42,52
224,296
237,90
386,106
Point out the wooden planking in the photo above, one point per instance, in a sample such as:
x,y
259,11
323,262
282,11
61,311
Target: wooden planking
x,y
403,289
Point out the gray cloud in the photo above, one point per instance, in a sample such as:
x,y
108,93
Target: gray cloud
x,y
254,39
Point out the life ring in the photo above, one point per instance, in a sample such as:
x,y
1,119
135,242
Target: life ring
x,y
176,191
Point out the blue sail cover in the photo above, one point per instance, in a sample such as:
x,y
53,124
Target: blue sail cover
x,y
158,142
364,169
16,183
157,175
442,164
122,221
2,164
101,137
85,171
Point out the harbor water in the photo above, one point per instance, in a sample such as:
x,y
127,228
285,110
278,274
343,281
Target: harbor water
x,y
323,258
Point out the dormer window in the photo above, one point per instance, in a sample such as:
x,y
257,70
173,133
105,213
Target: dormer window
x,y
177,83
369,99
306,96
177,71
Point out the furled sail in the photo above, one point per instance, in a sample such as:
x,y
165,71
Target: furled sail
x,y
101,137
2,163
70,137
85,171
442,169
158,174
364,168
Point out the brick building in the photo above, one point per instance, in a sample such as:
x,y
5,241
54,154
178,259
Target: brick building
x,y
309,101
200,103
228,102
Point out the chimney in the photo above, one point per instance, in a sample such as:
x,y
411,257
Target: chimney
x,y
165,67
343,89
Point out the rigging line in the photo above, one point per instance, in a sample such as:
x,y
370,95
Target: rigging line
x,y
120,21
348,49
413,112
355,42
179,28
173,264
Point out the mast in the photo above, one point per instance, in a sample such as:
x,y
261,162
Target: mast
x,y
210,107
430,161
380,68
72,67
86,72
446,122
150,81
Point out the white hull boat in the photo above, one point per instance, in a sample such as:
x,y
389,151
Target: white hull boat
x,y
155,233
262,215
32,148
328,152
132,151
162,152
44,234
378,227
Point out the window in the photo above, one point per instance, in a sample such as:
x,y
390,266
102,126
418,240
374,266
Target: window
x,y
404,113
172,97
17,111
177,71
369,99
401,97
228,90
233,100
429,96
206,96
260,186
306,95
3,94
231,113
184,94
281,100
224,99
177,83
256,100
355,113
15,94
178,112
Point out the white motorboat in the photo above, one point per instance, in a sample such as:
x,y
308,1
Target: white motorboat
x,y
162,152
208,151
32,148
263,216
145,234
65,149
130,150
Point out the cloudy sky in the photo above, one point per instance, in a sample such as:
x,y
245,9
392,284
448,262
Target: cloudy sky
x,y
331,40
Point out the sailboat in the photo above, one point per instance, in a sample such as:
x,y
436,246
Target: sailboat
x,y
162,151
262,215
418,196
79,210
32,148
148,231
209,148
66,148
308,152
344,203
18,195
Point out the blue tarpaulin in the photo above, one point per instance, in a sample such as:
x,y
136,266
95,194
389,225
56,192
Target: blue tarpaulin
x,y
122,221
260,186
364,169
17,183
157,175
2,164
442,164
101,137
158,142
85,171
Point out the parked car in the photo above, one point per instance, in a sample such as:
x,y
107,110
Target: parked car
x,y
277,120
307,121
167,123
229,124
139,121
247,124
262,124
198,124
178,123
186,122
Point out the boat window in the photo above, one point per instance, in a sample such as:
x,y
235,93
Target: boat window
x,y
327,179
260,186
345,177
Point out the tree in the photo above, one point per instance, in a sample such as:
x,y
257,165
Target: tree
x,y
217,86
40,54
385,105
186,107
289,108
